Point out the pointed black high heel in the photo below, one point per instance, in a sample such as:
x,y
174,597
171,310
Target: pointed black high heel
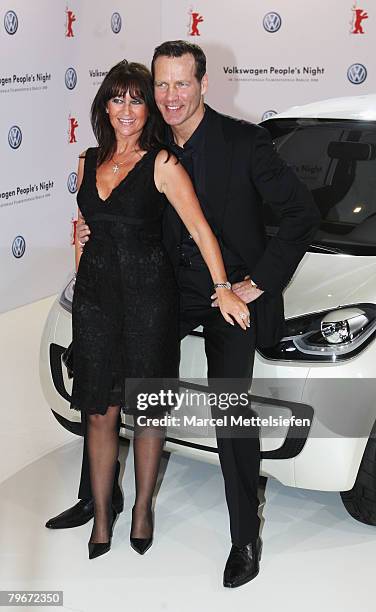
x,y
140,545
96,549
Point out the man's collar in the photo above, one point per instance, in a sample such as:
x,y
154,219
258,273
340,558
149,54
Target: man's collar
x,y
194,137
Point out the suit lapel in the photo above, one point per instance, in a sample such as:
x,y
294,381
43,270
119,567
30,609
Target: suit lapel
x,y
218,157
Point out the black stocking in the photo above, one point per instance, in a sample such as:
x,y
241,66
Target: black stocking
x,y
103,450
147,450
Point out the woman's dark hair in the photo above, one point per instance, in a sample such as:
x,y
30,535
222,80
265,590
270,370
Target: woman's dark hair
x,y
137,80
177,48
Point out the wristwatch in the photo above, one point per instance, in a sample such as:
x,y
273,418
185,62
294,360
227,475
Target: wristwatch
x,y
222,285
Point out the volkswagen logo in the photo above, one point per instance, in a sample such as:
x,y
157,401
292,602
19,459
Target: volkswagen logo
x,y
71,78
357,74
11,22
72,182
116,23
18,246
14,137
268,114
272,22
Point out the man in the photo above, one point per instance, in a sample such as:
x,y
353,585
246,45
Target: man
x,y
234,168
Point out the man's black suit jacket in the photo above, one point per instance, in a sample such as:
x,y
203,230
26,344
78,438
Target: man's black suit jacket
x,y
243,170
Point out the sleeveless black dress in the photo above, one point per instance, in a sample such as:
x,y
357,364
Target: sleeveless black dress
x,y
125,304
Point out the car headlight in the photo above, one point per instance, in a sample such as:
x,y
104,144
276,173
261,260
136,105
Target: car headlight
x,y
66,296
332,335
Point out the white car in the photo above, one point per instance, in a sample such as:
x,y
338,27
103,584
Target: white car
x,y
324,369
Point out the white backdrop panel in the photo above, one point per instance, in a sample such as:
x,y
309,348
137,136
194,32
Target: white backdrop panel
x,y
36,264
310,37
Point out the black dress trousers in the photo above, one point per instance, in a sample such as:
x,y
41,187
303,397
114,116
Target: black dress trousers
x,y
230,355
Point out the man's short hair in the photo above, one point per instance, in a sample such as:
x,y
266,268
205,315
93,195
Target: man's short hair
x,y
177,48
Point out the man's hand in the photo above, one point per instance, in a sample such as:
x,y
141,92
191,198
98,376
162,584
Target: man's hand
x,y
244,290
83,232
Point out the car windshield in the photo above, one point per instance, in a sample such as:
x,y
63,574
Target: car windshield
x,y
336,159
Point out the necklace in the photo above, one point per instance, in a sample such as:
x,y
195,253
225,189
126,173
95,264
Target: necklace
x,y
117,165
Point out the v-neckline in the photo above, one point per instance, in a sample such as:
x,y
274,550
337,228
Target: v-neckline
x,y
122,180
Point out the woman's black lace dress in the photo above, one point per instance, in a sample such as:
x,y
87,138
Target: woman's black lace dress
x,y
125,305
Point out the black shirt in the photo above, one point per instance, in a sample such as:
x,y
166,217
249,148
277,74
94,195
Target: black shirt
x,y
192,156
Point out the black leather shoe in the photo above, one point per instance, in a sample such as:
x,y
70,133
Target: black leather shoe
x,y
82,512
96,549
243,564
140,545
77,515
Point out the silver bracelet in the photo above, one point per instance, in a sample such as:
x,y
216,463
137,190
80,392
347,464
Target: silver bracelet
x,y
222,286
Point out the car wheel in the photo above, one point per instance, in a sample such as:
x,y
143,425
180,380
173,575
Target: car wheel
x,y
360,501
74,428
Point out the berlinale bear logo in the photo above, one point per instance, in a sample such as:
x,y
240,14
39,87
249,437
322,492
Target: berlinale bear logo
x,y
73,125
195,19
73,230
71,18
359,15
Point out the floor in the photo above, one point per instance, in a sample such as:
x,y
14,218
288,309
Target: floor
x,y
315,555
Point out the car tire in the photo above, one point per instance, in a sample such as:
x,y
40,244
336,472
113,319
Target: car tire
x,y
360,501
73,427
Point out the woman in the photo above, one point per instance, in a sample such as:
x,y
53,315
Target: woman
x,y
125,306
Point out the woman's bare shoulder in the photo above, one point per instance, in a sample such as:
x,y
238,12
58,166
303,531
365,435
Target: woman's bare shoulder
x,y
164,156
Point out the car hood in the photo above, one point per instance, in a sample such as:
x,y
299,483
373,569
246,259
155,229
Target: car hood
x,y
324,281
348,107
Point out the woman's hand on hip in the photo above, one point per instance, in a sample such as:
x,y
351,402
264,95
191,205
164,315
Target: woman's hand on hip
x,y
233,308
83,232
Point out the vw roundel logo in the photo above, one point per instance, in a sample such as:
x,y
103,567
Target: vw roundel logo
x,y
18,246
71,78
357,74
10,22
272,22
116,23
72,182
14,137
268,114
